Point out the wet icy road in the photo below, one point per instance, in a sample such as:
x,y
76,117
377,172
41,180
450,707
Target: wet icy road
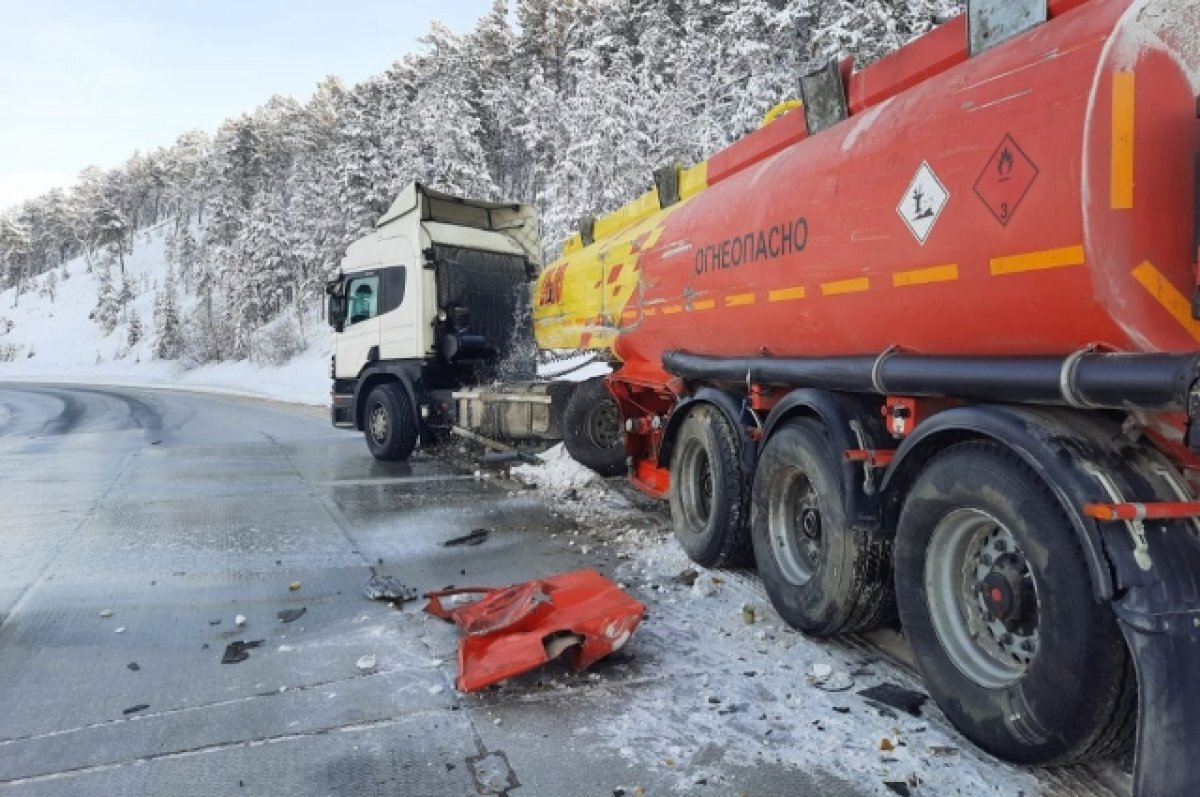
x,y
176,511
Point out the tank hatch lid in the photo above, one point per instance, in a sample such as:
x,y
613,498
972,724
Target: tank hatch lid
x,y
471,238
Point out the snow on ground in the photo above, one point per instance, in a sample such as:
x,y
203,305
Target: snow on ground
x,y
759,698
55,341
720,681
574,489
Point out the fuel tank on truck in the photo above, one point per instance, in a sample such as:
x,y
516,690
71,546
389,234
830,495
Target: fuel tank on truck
x,y
1035,199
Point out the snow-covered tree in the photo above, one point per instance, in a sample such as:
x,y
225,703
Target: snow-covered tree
x,y
135,330
168,337
108,304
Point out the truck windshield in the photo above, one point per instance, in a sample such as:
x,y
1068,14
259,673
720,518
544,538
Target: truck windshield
x,y
363,293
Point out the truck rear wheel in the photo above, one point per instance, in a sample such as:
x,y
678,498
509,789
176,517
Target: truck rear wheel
x,y
592,429
997,604
709,491
823,577
390,425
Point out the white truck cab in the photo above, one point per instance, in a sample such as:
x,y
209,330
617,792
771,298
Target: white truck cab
x,y
435,299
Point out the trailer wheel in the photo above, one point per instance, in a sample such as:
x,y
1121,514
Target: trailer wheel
x,y
997,604
822,576
710,492
592,429
391,425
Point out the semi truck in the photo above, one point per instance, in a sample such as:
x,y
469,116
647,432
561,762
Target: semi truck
x,y
925,348
432,334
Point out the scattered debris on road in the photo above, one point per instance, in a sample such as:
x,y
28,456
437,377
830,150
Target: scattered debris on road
x,y
367,663
133,666
687,578
120,630
389,588
106,613
294,586
486,442
476,537
513,630
896,697
838,682
136,709
291,615
239,651
240,620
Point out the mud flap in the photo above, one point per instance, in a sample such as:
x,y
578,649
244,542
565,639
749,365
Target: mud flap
x,y
1160,618
1166,650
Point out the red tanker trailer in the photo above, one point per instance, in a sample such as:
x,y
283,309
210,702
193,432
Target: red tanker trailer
x,y
930,344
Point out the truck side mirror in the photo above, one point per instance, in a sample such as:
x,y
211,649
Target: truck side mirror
x,y
337,312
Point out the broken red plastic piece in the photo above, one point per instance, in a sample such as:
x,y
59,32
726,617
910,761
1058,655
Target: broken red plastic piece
x,y
513,630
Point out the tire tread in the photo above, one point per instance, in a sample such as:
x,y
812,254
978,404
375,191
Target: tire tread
x,y
1116,728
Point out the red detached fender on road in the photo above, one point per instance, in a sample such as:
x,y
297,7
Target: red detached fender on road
x,y
512,630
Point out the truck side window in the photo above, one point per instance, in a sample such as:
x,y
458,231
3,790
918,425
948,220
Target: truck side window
x,y
363,293
394,278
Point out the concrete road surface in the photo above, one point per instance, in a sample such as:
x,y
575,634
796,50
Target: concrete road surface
x,y
176,513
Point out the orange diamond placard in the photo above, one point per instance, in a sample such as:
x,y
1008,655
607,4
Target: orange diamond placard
x,y
1006,180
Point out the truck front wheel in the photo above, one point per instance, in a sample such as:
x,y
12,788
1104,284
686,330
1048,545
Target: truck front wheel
x,y
710,492
592,429
390,425
997,604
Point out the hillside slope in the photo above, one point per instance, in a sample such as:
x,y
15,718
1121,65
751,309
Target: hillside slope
x,y
49,336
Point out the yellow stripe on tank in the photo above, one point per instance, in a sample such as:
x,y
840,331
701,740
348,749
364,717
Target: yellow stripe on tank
x,y
1038,261
1166,294
843,287
1124,120
925,276
787,295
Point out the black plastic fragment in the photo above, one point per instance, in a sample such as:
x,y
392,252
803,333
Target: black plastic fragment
x,y
291,615
136,709
476,537
134,666
239,651
897,697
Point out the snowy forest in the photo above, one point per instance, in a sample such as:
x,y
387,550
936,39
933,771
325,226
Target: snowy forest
x,y
566,104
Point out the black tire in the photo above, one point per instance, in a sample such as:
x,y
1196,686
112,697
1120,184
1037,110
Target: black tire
x,y
390,423
592,429
710,494
821,576
1075,698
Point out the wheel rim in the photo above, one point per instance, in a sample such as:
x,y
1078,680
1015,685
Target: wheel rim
x,y
603,427
796,527
982,597
696,485
380,424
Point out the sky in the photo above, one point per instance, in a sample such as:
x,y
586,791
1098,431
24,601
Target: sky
x,y
87,82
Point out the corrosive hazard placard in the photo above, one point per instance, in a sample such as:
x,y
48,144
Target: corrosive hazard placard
x,y
923,203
